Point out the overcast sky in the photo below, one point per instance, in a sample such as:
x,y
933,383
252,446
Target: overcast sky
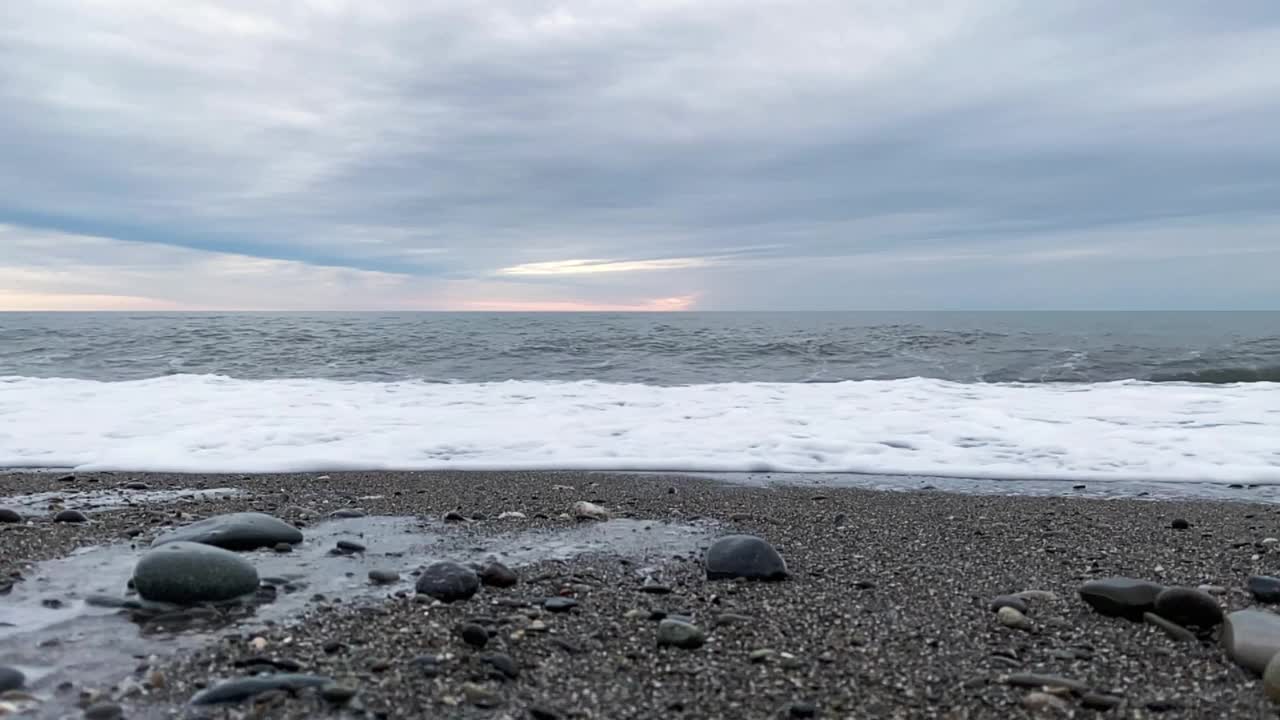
x,y
615,154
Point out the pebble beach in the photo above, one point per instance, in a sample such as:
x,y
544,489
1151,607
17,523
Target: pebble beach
x,y
922,604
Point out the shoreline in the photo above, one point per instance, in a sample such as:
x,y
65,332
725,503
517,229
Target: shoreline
x,y
884,614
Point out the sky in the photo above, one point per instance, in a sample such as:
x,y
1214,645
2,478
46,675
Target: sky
x,y
622,155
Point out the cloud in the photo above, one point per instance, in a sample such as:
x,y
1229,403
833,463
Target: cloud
x,y
425,151
589,267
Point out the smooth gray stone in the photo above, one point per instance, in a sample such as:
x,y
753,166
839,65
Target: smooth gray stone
x,y
1251,638
1121,596
185,573
675,633
448,582
1264,588
241,689
9,516
11,679
744,556
235,531
1011,601
1034,680
1189,607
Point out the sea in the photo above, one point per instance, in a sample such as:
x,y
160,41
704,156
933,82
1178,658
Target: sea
x,y
1163,397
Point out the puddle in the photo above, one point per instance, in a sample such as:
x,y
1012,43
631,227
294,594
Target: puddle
x,y
1107,489
107,499
100,647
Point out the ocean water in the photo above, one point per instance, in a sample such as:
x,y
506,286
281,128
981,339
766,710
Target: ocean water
x,y
1060,396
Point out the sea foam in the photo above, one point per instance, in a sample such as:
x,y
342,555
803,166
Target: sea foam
x,y
192,423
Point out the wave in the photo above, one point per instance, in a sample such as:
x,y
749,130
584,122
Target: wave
x,y
1223,375
202,423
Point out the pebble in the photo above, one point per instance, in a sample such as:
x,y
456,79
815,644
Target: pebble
x,y
241,689
544,712
1037,596
559,604
495,574
1264,588
1189,607
480,696
104,711
761,655
337,694
1008,601
453,516
448,582
1010,617
185,573
1100,701
503,664
1172,629
474,635
744,556
803,710
235,531
1121,596
1251,638
511,515
350,546
11,679
9,516
283,547
1179,524
347,513
136,486
70,516
583,510
1032,680
677,633
383,577
1040,701
653,588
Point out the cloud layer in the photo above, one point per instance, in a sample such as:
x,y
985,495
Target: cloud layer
x,y
679,153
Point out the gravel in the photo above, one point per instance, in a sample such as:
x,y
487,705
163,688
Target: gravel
x,y
885,614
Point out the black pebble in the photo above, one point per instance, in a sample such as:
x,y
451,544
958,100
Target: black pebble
x,y
803,710
350,546
9,516
559,604
542,712
1179,524
70,516
504,665
453,516
337,694
474,635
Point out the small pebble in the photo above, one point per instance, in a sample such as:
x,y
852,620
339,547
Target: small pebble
x,y
474,635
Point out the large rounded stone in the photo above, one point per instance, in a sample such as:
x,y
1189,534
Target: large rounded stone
x,y
1121,596
1189,607
1264,588
9,516
1251,638
235,531
448,582
11,679
744,556
185,573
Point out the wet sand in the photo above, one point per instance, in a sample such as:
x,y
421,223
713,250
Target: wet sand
x,y
885,614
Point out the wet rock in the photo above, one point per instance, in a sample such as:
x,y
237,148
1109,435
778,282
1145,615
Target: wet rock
x,y
1251,638
241,689
1264,588
680,634
1189,607
11,679
1179,524
653,588
453,516
495,574
9,516
350,546
583,510
1121,596
474,635
1011,618
105,601
235,531
70,516
1172,629
136,486
1008,601
104,711
347,513
1100,701
337,694
802,710
283,547
185,573
559,604
744,556
383,577
505,666
448,582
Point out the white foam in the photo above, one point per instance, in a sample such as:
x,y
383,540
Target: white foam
x,y
1124,430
